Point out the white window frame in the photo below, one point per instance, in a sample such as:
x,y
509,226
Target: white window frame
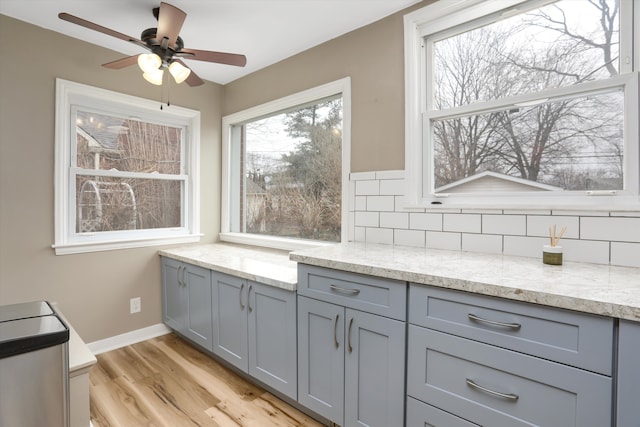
x,y
71,96
338,87
444,15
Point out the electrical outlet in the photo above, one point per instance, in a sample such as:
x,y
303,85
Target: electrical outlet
x,y
135,305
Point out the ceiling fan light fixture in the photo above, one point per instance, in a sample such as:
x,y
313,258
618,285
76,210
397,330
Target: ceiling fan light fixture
x,y
149,62
179,72
154,77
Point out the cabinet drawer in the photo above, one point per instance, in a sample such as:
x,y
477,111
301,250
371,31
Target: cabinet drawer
x,y
450,373
419,414
576,339
375,295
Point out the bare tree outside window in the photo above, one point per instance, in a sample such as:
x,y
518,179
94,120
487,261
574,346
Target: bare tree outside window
x,y
121,199
572,143
292,173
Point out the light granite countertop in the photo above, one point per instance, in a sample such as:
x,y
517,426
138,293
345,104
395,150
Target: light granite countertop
x,y
592,288
271,267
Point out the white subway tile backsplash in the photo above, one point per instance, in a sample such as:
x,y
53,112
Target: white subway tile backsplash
x,y
377,212
425,221
524,246
360,203
539,225
527,212
381,203
625,254
379,235
415,238
585,251
392,187
390,175
515,225
484,243
438,240
367,188
367,219
394,220
359,176
618,229
632,214
401,205
580,213
466,223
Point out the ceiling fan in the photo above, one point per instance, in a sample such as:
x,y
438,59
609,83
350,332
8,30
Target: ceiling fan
x,y
165,45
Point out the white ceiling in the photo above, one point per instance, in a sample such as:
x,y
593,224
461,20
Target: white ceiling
x,y
266,31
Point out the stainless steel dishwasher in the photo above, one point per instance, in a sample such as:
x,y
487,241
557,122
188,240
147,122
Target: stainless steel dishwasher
x,y
34,366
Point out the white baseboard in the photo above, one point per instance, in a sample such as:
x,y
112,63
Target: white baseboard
x,y
123,340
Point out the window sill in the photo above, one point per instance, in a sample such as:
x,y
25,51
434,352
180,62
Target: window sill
x,y
83,247
272,241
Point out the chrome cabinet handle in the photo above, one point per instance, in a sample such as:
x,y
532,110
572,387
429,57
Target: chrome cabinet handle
x,y
181,270
349,336
475,318
509,396
249,298
184,276
335,331
240,293
344,291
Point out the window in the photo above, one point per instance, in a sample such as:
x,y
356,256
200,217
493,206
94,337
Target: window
x,y
522,103
126,171
285,165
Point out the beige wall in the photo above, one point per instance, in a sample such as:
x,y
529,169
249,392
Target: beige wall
x,y
373,56
93,289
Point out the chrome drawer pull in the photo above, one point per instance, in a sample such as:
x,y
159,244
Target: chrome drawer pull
x,y
510,396
335,331
344,291
475,318
240,294
349,348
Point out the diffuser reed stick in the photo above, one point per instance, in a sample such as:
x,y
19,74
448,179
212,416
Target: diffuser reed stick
x,y
554,237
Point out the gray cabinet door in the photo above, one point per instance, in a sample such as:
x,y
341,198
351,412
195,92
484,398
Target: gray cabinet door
x,y
628,410
197,293
173,307
374,370
272,337
321,358
229,301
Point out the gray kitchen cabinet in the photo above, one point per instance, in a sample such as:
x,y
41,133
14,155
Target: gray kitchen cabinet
x,y
321,357
186,300
628,390
489,361
255,330
272,337
230,321
351,362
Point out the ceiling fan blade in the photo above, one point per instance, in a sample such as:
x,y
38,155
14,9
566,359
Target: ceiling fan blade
x,y
218,57
90,25
170,20
122,62
193,79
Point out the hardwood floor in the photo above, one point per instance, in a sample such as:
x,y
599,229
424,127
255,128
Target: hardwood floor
x,y
167,382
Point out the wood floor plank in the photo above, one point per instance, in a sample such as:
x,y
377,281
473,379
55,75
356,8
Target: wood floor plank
x,y
168,382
